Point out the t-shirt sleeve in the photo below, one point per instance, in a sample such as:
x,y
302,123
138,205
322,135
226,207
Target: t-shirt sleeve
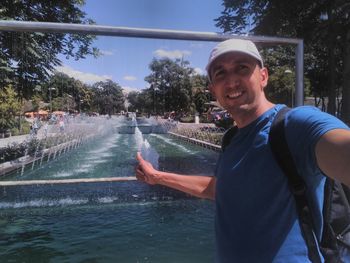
x,y
304,127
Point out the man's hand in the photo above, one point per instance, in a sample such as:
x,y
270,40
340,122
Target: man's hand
x,y
145,171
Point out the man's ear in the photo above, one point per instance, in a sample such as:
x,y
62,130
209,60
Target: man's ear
x,y
264,77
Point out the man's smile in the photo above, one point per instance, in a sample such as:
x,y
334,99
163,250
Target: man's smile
x,y
235,94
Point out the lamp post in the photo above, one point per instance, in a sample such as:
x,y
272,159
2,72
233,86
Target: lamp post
x,y
154,88
287,72
50,88
80,102
68,101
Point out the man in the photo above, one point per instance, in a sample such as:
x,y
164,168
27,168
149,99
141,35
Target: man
x,y
256,218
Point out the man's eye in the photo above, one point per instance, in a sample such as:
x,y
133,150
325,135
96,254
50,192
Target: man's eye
x,y
242,69
218,73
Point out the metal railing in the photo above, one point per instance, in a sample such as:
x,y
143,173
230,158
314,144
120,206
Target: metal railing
x,y
48,27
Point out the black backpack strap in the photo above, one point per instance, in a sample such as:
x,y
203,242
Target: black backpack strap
x,y
280,150
228,135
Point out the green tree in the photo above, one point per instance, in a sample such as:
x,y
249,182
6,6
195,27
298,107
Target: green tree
x,y
201,94
324,25
58,86
9,108
200,98
145,102
170,85
82,95
26,59
36,102
281,87
70,90
58,104
87,99
133,101
109,97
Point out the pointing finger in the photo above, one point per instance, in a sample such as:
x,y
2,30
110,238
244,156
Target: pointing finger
x,y
139,157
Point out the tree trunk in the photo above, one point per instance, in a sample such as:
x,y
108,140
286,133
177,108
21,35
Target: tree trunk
x,y
331,65
345,113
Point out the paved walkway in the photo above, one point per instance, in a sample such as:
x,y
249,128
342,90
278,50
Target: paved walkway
x,y
13,139
20,138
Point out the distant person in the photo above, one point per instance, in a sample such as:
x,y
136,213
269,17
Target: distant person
x,y
35,126
53,119
31,129
256,217
61,124
46,128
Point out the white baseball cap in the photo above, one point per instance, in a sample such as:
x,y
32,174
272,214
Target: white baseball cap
x,y
234,45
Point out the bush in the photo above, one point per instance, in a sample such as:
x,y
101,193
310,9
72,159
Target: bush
x,y
12,151
25,127
35,147
225,123
187,119
14,132
204,119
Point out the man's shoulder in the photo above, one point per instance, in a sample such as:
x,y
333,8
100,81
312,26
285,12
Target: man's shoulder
x,y
305,125
309,116
302,112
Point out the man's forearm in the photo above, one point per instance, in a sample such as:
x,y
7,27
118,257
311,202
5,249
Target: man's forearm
x,y
332,154
200,186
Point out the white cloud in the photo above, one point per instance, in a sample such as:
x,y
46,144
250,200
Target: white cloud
x,y
107,52
85,77
127,89
129,78
198,71
171,53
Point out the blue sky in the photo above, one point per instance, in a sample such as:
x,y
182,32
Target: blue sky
x,y
126,60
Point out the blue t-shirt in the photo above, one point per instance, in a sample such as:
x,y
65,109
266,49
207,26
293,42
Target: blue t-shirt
x,y
256,218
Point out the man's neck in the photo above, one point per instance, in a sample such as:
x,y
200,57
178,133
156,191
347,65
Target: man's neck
x,y
244,117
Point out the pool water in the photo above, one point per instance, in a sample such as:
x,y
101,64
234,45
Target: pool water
x,y
114,156
164,231
108,221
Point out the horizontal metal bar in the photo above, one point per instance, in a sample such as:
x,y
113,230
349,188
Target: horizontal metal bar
x,y
48,27
68,181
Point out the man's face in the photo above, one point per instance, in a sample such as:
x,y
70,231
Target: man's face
x,y
237,82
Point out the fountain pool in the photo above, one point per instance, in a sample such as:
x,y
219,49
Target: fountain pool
x,y
153,231
125,221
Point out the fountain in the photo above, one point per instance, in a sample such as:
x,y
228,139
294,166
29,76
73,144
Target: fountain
x,y
143,146
80,202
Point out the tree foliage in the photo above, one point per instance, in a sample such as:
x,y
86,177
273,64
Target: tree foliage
x,y
324,25
65,103
132,101
63,87
27,59
9,108
281,86
173,86
201,94
170,85
108,97
140,101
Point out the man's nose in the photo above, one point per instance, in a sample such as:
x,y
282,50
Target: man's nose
x,y
232,80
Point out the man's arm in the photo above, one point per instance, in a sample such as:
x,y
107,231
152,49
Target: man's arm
x,y
333,155
200,186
